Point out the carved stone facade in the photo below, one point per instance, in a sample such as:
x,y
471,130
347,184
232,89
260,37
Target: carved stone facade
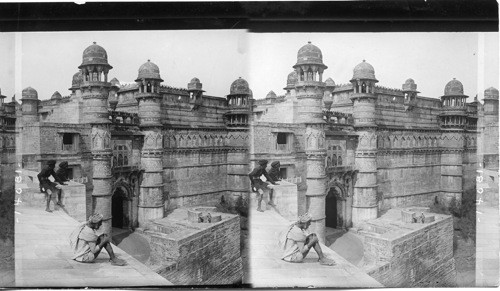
x,y
362,149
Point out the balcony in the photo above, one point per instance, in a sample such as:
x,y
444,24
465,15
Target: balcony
x,y
69,147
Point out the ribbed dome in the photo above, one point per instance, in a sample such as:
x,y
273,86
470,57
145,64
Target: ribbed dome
x,y
95,55
309,54
115,83
56,95
409,85
77,79
195,84
329,82
454,88
491,93
29,93
239,86
271,95
149,70
364,71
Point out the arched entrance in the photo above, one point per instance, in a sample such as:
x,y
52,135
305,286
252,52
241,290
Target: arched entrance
x,y
331,208
120,209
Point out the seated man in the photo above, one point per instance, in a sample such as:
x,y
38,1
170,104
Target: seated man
x,y
87,244
258,185
297,242
47,186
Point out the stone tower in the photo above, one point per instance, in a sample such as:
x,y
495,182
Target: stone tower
x,y
30,105
410,92
239,104
453,121
365,204
151,201
328,96
290,85
195,90
75,85
309,90
490,136
95,90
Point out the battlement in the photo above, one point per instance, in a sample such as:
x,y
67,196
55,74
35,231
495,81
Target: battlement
x,y
387,90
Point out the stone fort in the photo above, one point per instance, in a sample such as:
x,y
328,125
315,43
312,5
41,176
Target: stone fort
x,y
148,156
372,159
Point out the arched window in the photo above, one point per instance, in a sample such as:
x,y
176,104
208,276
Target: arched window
x,y
120,160
339,161
125,161
148,88
114,162
334,160
363,87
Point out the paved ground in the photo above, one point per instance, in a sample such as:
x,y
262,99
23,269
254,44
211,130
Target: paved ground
x,y
268,270
43,256
487,246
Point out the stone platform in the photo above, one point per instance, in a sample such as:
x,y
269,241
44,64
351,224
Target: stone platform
x,y
43,256
268,270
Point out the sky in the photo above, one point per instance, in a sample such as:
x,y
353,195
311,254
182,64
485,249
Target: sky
x,y
47,61
431,59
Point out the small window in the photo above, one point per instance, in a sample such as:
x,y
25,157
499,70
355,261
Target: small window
x,y
67,138
283,173
281,138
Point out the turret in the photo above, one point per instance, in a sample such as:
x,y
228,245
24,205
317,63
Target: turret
x,y
410,92
151,202
75,85
328,96
30,105
239,104
364,206
271,96
56,96
195,90
290,84
113,93
453,106
491,101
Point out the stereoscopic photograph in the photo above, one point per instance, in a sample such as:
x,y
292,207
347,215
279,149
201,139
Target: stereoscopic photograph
x,y
212,158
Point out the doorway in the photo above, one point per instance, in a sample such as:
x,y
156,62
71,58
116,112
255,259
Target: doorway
x,y
331,208
118,208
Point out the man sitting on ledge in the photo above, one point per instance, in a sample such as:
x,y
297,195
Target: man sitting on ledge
x,y
297,242
87,244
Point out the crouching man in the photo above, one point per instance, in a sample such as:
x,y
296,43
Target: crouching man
x,y
296,242
87,243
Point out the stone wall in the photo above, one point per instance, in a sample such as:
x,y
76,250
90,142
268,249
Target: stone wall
x,y
68,110
286,199
410,254
188,253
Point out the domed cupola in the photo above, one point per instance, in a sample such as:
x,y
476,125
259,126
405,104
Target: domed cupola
x,y
115,83
290,81
491,93
490,106
95,66
149,70
454,106
29,103
364,71
309,64
29,93
56,96
239,87
363,78
271,95
410,92
195,89
76,81
328,96
148,78
239,104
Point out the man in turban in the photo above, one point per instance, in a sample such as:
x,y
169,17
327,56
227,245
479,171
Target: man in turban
x,y
258,185
275,175
87,243
297,242
47,186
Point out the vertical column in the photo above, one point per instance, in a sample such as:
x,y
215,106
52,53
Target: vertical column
x,y
364,205
151,200
316,177
102,177
452,167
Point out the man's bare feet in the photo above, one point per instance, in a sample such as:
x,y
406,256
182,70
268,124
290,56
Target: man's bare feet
x,y
48,210
272,203
117,262
260,209
327,262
